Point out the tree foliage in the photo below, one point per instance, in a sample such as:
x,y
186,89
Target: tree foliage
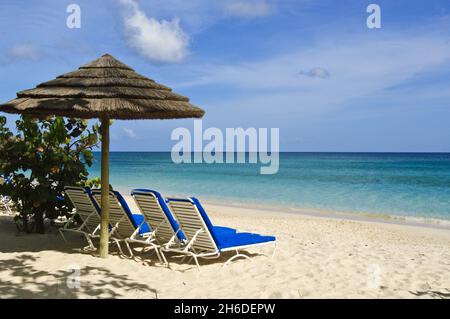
x,y
41,159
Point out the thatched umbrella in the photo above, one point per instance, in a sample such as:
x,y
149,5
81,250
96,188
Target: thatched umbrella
x,y
105,89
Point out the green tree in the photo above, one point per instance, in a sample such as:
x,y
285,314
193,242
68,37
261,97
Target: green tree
x,y
43,157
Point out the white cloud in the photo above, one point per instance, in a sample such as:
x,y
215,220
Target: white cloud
x,y
248,8
159,41
320,73
23,51
200,15
129,132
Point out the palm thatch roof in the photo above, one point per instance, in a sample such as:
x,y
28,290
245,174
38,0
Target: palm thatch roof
x,y
102,87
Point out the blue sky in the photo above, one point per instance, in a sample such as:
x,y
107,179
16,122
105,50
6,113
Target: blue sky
x,y
309,67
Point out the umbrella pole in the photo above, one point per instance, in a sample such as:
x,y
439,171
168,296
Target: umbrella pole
x,y
104,226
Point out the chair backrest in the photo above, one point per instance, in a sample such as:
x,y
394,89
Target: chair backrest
x,y
85,206
157,214
119,214
192,218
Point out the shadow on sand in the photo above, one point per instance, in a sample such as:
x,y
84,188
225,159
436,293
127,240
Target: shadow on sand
x,y
25,281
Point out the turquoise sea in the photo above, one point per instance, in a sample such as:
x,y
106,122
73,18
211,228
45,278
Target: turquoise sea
x,y
391,184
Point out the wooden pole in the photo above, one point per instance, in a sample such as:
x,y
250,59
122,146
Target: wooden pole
x,y
104,226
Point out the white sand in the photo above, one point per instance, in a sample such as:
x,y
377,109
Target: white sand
x,y
316,257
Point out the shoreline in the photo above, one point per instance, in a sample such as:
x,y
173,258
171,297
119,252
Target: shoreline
x,y
339,215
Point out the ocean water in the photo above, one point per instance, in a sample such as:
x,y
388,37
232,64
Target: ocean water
x,y
415,185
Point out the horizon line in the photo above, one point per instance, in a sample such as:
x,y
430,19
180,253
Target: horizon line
x,y
308,152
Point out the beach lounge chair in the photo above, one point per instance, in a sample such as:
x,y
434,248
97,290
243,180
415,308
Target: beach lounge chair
x,y
153,207
126,226
165,228
203,240
88,212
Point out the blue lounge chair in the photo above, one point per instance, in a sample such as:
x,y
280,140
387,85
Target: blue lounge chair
x,y
87,210
153,207
126,226
203,240
165,228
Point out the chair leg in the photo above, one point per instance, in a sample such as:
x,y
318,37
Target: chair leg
x,y
274,250
90,243
117,242
129,249
238,255
155,248
271,255
196,261
164,258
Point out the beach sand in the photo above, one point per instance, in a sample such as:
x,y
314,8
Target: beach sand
x,y
316,257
